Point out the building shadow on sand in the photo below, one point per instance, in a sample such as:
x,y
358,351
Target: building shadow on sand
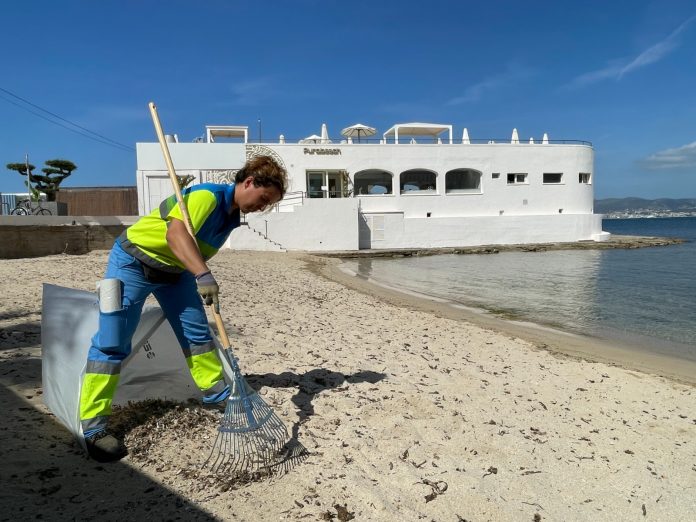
x,y
19,335
46,475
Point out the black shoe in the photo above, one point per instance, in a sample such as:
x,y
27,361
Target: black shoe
x,y
104,447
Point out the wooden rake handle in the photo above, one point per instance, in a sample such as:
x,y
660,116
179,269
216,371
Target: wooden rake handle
x,y
184,211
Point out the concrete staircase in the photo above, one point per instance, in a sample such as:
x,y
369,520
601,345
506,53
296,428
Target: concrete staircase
x,y
245,237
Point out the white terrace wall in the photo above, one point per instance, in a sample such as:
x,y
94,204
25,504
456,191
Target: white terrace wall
x,y
498,213
531,198
392,230
318,225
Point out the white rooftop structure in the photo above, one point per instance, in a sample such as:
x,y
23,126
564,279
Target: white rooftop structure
x,y
417,129
226,131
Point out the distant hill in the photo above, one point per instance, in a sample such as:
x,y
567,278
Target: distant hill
x,y
606,206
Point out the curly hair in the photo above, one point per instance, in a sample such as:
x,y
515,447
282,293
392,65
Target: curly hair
x,y
266,173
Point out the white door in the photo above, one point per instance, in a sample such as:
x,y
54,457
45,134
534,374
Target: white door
x,y
158,188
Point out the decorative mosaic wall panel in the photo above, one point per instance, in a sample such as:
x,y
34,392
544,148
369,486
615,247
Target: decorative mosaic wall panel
x,y
220,176
252,151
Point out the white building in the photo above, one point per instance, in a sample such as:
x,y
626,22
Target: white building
x,y
416,187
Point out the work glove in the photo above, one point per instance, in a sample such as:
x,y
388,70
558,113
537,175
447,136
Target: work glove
x,y
209,289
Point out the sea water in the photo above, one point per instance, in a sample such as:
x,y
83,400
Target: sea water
x,y
646,296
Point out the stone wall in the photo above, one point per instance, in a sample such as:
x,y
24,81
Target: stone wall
x,y
36,239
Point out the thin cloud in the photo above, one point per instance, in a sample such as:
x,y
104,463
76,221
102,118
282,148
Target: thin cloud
x,y
115,114
617,70
252,92
414,109
679,157
475,92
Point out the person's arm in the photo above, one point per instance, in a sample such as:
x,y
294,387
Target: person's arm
x,y
185,248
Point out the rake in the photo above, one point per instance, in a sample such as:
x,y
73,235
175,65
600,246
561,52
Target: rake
x,y
250,436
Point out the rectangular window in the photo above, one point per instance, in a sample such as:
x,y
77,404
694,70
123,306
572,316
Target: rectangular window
x,y
584,177
495,175
552,177
516,178
315,184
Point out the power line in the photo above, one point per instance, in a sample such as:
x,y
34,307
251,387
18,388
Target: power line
x,y
106,140
64,126
87,134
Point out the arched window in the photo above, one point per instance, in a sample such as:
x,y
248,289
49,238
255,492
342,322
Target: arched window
x,y
462,181
372,182
417,181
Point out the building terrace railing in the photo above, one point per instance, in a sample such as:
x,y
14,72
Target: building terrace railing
x,y
290,199
405,140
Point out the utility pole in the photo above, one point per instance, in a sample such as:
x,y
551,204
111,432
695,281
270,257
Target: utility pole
x,y
26,166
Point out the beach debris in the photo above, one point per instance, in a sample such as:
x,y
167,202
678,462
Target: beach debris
x,y
342,513
492,470
152,426
535,504
438,488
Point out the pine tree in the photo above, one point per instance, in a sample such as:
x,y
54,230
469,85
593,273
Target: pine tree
x,y
48,182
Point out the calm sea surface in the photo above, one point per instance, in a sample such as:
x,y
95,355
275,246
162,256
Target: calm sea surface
x,y
645,296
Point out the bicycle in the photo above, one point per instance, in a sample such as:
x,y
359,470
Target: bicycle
x,y
24,208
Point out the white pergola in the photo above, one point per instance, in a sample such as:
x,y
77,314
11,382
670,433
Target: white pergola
x,y
226,131
417,129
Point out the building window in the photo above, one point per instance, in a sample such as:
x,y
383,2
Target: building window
x,y
327,184
517,178
584,177
372,182
552,177
495,175
463,181
417,181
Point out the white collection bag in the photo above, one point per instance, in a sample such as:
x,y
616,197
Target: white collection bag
x,y
155,369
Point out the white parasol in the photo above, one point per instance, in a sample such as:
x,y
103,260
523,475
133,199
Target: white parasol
x,y
358,130
515,137
311,139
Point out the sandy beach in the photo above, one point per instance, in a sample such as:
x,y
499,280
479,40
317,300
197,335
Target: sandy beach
x,y
409,409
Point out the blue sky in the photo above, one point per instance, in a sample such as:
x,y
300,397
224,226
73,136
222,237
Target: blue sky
x,y
619,74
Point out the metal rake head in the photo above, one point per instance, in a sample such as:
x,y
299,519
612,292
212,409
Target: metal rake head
x,y
251,437
248,453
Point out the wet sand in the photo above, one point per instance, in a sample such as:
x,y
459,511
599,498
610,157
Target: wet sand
x,y
623,353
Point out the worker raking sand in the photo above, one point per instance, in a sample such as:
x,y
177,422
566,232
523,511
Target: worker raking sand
x,y
158,256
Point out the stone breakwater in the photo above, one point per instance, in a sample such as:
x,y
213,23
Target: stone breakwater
x,y
613,242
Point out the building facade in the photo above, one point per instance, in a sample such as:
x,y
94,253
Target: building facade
x,y
398,193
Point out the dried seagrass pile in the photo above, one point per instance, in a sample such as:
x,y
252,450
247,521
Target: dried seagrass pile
x,y
173,440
